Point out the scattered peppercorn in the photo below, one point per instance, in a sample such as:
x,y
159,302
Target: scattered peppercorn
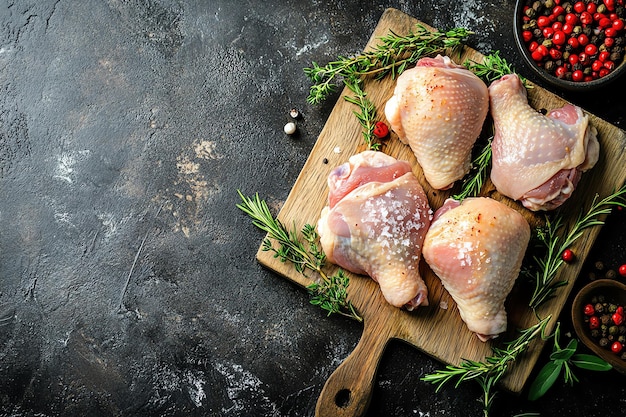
x,y
622,270
290,128
381,130
294,113
568,256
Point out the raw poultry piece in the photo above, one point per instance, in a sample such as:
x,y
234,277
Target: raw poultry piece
x,y
438,108
476,248
375,224
538,159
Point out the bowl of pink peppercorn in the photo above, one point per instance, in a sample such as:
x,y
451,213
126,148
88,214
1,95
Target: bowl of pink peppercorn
x,y
575,45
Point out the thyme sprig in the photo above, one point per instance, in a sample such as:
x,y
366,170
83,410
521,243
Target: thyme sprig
x,y
367,114
331,293
391,56
548,266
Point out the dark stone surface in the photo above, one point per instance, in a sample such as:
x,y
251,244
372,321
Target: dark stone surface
x,y
128,285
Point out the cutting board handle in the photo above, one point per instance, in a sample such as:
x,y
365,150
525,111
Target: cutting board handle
x,y
348,391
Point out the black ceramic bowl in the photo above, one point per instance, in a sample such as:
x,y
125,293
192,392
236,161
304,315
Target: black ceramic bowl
x,y
576,86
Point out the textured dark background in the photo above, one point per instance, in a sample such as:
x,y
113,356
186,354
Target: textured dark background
x,y
128,284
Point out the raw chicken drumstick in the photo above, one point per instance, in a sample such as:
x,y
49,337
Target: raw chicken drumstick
x,y
375,224
438,108
538,159
476,248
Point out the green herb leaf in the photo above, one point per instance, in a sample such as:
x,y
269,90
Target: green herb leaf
x,y
545,379
565,354
590,362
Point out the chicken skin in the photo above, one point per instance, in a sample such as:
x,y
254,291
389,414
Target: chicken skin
x,y
375,225
538,159
476,248
438,108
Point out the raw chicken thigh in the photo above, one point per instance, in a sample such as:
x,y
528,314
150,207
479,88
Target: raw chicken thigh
x,y
476,248
438,108
538,159
375,224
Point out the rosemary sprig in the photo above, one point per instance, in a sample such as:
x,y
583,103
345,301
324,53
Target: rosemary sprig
x,y
367,113
480,165
492,68
331,294
544,277
391,56
489,372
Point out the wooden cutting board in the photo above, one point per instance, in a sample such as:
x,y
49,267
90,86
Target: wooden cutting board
x,y
434,330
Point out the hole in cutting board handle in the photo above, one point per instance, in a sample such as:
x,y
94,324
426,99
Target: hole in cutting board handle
x,y
342,399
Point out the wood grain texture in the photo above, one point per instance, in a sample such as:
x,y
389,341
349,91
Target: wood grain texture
x,y
437,331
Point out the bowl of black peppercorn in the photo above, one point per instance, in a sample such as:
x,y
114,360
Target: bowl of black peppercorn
x,y
575,45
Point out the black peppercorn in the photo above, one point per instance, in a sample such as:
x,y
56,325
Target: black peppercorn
x,y
568,7
603,342
616,57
